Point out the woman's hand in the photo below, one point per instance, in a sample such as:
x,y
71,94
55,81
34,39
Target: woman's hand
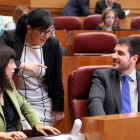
x,y
59,116
41,129
31,66
12,135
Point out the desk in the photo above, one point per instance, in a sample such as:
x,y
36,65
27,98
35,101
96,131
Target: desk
x,y
61,136
62,36
112,127
36,138
121,34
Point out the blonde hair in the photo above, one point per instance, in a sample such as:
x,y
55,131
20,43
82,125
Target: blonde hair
x,y
19,11
105,12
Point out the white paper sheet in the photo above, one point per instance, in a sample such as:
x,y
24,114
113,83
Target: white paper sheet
x,y
127,12
59,137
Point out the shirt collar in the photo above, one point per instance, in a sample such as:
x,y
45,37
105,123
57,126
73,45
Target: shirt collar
x,y
108,5
132,75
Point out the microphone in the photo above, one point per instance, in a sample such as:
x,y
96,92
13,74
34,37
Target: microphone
x,y
75,135
76,127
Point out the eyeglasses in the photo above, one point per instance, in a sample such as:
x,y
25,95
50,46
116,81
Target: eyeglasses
x,y
108,18
43,33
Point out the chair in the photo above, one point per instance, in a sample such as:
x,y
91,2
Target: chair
x,y
94,43
92,21
135,23
15,79
79,82
137,36
67,23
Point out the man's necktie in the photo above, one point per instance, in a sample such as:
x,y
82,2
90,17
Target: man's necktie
x,y
126,103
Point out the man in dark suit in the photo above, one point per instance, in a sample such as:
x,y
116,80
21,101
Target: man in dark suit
x,y
101,5
105,96
76,8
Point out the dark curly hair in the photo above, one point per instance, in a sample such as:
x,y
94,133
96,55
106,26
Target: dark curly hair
x,y
6,54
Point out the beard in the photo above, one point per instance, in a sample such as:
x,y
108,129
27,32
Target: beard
x,y
120,67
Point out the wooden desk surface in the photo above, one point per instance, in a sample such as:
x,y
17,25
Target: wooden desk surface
x,y
112,127
121,34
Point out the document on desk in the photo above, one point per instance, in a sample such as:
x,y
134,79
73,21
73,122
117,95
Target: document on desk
x,y
59,137
127,12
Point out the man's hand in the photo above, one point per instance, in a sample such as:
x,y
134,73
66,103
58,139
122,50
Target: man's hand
x,y
31,66
58,117
41,129
12,135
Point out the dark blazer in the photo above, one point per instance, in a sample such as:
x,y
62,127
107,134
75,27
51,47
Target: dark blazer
x,y
76,8
99,28
64,51
105,94
52,59
101,5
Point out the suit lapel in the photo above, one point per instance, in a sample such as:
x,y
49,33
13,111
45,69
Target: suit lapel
x,y
138,87
48,59
19,44
115,84
1,112
104,5
14,101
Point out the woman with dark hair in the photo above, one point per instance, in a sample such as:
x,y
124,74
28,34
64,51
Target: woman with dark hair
x,y
12,104
39,62
109,20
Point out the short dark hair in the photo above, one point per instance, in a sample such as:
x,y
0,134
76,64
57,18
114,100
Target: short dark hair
x,y
133,45
6,54
36,18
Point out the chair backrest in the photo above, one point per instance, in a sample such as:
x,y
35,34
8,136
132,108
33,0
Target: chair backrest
x,y
92,21
137,36
79,83
94,43
135,22
67,23
15,79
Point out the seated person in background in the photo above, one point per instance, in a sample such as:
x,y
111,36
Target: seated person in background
x,y
109,20
63,50
12,104
7,22
18,12
116,90
111,4
76,8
